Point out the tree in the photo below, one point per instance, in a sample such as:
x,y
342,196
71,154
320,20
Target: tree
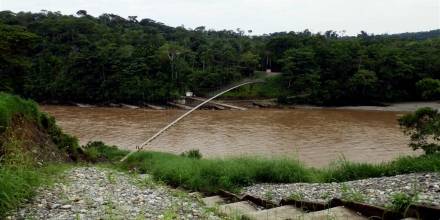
x,y
15,46
298,64
363,83
423,127
81,13
429,88
171,52
50,56
249,61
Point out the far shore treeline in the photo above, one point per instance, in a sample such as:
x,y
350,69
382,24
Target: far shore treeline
x,y
52,57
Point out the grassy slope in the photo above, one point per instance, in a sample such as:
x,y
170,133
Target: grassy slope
x,y
11,105
20,173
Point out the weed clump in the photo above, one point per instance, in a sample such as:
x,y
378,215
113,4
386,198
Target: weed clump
x,y
194,154
401,201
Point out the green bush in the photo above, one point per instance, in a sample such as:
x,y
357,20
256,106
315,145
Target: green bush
x,y
98,151
195,154
429,88
423,127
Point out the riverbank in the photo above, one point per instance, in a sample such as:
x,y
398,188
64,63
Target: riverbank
x,y
262,104
102,193
91,192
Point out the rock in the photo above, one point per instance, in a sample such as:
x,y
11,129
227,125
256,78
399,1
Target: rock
x,y
55,206
66,207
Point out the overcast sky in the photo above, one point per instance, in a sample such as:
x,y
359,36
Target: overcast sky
x,y
261,16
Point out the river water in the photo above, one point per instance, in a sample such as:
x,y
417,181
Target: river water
x,y
315,136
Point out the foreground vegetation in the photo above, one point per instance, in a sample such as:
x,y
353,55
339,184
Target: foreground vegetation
x,y
18,184
48,56
211,175
22,169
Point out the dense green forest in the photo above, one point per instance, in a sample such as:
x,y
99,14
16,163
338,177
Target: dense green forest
x,y
48,56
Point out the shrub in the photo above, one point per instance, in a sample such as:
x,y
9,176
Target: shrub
x,y
98,151
195,154
429,88
62,140
423,127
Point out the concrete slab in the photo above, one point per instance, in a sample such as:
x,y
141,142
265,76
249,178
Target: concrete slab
x,y
278,213
237,209
340,213
213,201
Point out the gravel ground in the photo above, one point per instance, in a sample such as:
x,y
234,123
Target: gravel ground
x,y
98,193
375,191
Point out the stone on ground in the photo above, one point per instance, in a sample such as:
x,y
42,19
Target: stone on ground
x,y
95,193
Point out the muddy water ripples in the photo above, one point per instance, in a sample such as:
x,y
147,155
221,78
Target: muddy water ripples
x,y
315,136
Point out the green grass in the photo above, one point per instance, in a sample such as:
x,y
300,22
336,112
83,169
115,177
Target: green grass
x,y
19,175
11,105
346,171
210,175
17,184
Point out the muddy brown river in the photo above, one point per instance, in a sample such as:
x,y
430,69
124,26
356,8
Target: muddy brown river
x,y
314,136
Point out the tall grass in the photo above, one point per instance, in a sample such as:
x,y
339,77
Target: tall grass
x,y
210,175
346,171
214,174
19,177
18,184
